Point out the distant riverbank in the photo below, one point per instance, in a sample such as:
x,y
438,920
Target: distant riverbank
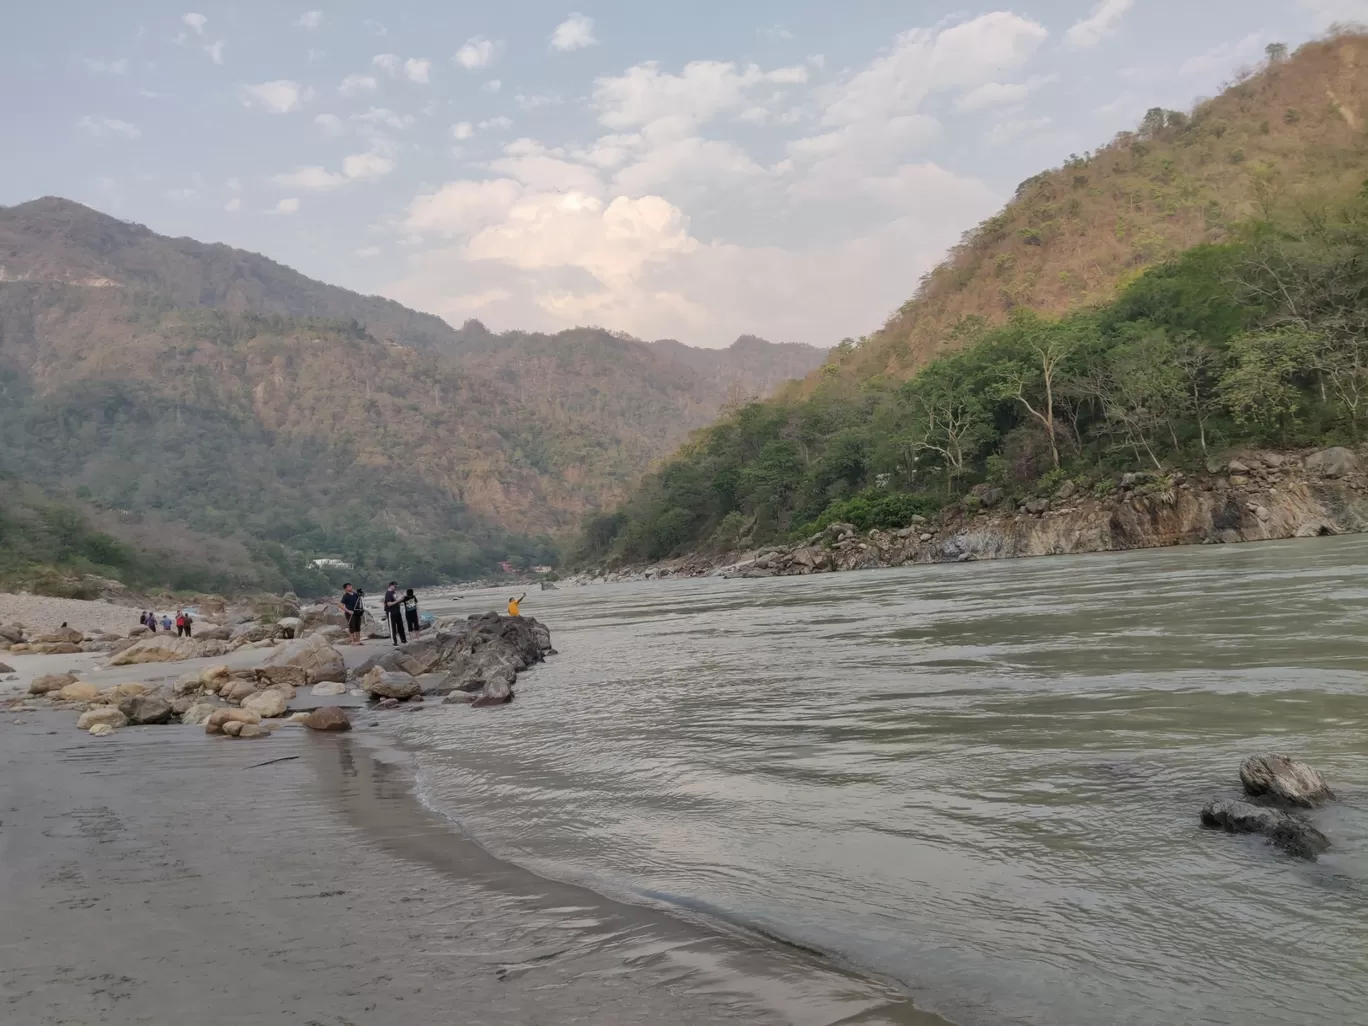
x,y
1249,497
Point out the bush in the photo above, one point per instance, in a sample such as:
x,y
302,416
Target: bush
x,y
872,509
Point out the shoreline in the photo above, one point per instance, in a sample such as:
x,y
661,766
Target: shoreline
x,y
309,865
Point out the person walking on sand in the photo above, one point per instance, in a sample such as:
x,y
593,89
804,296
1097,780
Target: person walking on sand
x,y
410,604
515,604
394,611
180,623
189,622
353,610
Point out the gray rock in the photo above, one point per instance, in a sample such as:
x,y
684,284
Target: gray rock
x,y
146,709
1037,506
1066,491
495,692
382,683
1294,835
1336,461
1282,778
329,688
1238,467
1287,831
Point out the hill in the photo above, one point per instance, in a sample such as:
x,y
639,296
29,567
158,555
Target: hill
x,y
1193,285
216,389
1074,235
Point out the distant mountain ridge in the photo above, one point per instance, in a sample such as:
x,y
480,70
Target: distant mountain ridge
x,y
220,389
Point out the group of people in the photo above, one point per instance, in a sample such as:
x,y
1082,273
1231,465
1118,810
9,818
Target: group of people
x,y
400,610
181,623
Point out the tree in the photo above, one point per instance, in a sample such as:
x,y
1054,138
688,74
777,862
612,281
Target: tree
x,y
1277,52
1260,387
1031,378
950,419
1199,365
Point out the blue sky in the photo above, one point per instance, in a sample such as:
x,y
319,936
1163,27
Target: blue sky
x,y
691,171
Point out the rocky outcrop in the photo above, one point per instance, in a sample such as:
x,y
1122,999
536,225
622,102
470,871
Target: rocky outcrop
x,y
266,704
1284,779
482,655
1281,787
381,683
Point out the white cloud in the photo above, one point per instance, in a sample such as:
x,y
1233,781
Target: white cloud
x,y
546,170
492,86
310,20
387,62
367,166
313,179
478,52
703,90
574,33
999,94
1221,60
233,205
1329,12
1013,129
279,97
496,122
417,69
195,22
533,102
384,117
462,207
355,84
108,128
329,124
462,130
95,66
215,51
287,206
1102,22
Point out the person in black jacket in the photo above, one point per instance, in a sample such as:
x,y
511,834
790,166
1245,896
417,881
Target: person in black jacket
x,y
410,604
394,609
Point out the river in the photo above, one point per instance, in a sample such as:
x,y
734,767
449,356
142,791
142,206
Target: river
x,y
979,780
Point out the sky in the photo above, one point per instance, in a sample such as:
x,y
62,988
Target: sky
x,y
692,171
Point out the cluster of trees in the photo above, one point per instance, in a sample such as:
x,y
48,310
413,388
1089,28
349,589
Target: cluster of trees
x,y
1260,340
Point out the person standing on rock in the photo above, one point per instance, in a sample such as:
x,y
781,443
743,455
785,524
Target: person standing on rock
x,y
394,610
353,611
180,623
514,604
189,622
152,622
410,603
166,622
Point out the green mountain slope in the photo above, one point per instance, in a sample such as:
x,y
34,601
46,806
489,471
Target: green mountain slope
x,y
1235,312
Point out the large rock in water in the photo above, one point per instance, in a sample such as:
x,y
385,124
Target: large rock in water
x,y
266,704
162,648
318,659
145,709
1284,779
1285,830
381,683
50,682
328,718
471,653
102,714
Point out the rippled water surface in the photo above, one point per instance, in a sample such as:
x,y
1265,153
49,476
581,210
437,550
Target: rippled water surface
x,y
980,780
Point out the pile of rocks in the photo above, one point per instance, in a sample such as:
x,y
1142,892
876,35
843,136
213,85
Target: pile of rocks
x,y
474,661
1280,788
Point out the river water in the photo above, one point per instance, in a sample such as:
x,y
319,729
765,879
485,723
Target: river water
x,y
979,780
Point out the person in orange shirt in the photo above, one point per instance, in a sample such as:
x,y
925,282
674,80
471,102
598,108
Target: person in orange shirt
x,y
513,604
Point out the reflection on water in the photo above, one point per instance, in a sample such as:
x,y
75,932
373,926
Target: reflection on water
x,y
981,780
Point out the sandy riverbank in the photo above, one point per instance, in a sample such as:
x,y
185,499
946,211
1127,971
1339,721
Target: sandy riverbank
x,y
160,875
41,614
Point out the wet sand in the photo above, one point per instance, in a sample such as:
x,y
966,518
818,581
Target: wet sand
x,y
162,876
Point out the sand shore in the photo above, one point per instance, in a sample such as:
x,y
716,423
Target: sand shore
x,y
41,614
163,876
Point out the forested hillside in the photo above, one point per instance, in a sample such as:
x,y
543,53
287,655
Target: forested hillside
x,y
1256,333
207,387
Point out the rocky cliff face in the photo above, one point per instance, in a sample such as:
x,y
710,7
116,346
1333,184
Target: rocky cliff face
x,y
1253,497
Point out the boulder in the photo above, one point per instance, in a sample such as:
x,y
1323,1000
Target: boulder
x,y
162,648
101,730
6,668
213,723
213,632
1036,507
12,632
1288,831
233,728
255,630
129,690
210,649
283,676
1336,461
50,682
327,718
247,730
54,648
329,688
199,712
146,709
61,634
103,714
1284,779
990,497
319,660
328,631
495,692
78,692
1066,491
139,632
239,690
323,614
382,683
290,626
266,704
